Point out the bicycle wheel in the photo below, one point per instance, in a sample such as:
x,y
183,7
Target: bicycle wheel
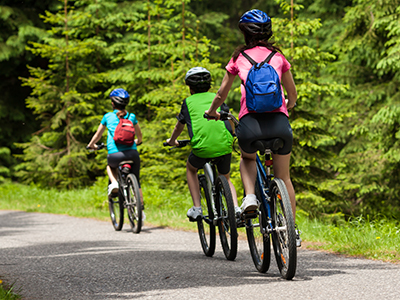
x,y
226,218
259,243
206,227
283,235
133,203
116,208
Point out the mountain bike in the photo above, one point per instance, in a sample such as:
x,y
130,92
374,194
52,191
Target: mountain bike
x,y
217,209
128,196
274,219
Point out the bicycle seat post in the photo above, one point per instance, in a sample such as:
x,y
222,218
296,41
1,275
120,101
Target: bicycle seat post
x,y
268,161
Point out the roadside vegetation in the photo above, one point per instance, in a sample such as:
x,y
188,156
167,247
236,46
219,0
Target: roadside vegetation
x,y
7,292
377,238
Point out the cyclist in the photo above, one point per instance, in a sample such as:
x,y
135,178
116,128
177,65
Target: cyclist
x,y
256,28
118,152
208,139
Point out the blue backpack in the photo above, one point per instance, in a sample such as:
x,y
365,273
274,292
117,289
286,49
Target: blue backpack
x,y
263,86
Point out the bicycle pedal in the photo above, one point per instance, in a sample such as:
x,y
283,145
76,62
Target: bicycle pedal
x,y
194,220
240,223
250,215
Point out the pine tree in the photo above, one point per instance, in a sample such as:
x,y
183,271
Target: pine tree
x,y
63,96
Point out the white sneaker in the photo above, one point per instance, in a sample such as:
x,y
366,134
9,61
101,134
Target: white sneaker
x,y
113,188
250,203
194,214
143,216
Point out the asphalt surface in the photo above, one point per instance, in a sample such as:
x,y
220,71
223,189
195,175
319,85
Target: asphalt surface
x,y
61,257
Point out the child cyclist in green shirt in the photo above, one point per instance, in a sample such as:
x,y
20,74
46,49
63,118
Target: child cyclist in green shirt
x,y
208,139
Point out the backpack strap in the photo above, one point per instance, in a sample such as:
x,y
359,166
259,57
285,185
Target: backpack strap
x,y
249,58
269,57
254,62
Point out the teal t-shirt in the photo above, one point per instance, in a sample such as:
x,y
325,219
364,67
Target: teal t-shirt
x,y
110,120
208,138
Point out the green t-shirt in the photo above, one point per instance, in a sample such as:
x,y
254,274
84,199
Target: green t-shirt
x,y
208,138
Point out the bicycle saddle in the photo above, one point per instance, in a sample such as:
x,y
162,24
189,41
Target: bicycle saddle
x,y
273,144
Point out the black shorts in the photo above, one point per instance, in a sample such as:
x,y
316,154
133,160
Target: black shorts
x,y
223,162
114,159
255,126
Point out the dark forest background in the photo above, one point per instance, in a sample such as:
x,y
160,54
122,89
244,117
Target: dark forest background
x,y
60,59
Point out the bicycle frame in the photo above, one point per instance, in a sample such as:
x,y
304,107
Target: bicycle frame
x,y
264,190
209,173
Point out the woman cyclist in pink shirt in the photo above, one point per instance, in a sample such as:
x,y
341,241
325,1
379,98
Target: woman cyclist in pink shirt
x,y
256,28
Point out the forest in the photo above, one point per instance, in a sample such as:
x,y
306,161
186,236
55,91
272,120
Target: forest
x,y
60,59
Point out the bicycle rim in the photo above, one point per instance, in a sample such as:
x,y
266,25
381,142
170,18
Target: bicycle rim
x,y
284,235
133,204
259,243
205,226
226,218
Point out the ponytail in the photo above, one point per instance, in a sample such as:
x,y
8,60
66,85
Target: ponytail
x,y
121,113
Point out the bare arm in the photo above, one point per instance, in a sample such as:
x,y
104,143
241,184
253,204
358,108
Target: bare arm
x,y
288,83
96,137
221,95
177,131
138,133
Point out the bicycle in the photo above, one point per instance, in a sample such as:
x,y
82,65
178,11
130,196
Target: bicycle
x,y
275,216
217,210
128,196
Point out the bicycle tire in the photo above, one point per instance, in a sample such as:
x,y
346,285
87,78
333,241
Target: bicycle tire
x,y
205,226
226,218
259,243
134,204
116,208
284,239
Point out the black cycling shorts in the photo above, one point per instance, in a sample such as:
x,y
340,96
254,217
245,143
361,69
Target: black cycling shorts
x,y
256,126
223,162
114,159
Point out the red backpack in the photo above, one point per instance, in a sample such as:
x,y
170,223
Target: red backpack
x,y
125,132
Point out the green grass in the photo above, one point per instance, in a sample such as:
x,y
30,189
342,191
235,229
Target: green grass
x,y
7,292
373,239
361,237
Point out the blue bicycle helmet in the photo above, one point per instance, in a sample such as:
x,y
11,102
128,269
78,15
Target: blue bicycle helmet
x,y
120,96
256,22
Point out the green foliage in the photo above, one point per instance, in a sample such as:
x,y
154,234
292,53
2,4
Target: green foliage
x,y
370,142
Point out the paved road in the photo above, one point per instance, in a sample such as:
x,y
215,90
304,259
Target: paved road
x,y
61,257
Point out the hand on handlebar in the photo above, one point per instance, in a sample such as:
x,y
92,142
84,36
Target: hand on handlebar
x,y
93,147
168,143
215,116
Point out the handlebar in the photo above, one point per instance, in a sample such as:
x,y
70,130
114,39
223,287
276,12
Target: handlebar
x,y
99,147
182,143
223,116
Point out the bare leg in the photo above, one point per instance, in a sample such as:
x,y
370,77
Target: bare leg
x,y
112,174
193,184
248,172
282,171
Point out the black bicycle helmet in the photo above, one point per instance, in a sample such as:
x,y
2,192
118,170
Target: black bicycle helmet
x,y
256,23
120,96
198,76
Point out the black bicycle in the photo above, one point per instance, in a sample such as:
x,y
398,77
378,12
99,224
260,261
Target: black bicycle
x,y
217,209
274,220
128,196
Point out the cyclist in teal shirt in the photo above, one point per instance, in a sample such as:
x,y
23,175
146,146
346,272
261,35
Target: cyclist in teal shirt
x,y
118,152
208,139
